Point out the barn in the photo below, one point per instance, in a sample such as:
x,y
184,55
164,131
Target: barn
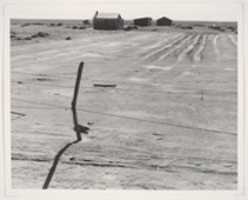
x,y
144,21
164,21
107,21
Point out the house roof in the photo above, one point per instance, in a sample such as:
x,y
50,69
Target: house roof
x,y
107,15
164,18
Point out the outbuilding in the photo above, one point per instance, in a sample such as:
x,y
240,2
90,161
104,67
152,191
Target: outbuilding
x,y
164,21
107,21
144,21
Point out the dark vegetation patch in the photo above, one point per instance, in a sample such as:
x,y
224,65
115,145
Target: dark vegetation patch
x,y
14,36
33,24
77,27
154,29
55,24
27,38
52,24
130,27
40,34
25,24
218,28
184,27
86,22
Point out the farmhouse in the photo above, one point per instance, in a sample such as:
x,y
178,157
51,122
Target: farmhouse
x,y
144,21
107,21
164,21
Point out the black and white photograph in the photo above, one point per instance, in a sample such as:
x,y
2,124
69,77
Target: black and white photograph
x,y
126,96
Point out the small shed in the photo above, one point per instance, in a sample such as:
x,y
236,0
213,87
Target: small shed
x,y
144,21
164,21
107,21
86,22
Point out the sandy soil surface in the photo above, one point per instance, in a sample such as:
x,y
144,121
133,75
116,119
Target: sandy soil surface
x,y
169,124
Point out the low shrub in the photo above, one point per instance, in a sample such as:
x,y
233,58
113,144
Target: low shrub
x,y
40,34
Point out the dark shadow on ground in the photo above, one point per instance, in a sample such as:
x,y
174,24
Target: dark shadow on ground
x,y
55,163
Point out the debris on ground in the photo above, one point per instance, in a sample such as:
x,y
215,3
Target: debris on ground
x,y
90,123
81,129
72,158
156,134
18,113
104,85
43,79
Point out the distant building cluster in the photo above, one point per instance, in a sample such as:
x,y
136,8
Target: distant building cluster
x,y
114,21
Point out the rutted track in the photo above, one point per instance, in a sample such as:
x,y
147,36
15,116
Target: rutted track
x,y
198,52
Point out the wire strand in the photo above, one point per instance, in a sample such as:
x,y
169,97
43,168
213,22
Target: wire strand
x,y
124,117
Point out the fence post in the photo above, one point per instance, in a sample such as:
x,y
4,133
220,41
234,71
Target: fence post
x,y
74,100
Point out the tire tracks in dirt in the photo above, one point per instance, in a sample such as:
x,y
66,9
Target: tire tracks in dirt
x,y
183,48
146,50
70,53
172,42
215,45
169,167
233,41
176,48
189,48
197,56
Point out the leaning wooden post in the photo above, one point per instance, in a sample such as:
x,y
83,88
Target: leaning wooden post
x,y
74,100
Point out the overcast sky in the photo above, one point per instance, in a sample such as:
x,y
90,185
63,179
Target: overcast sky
x,y
202,12
175,12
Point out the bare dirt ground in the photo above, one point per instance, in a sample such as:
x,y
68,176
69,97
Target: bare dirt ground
x,y
169,124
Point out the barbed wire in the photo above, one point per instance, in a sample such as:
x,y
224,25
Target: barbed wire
x,y
177,90
49,106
